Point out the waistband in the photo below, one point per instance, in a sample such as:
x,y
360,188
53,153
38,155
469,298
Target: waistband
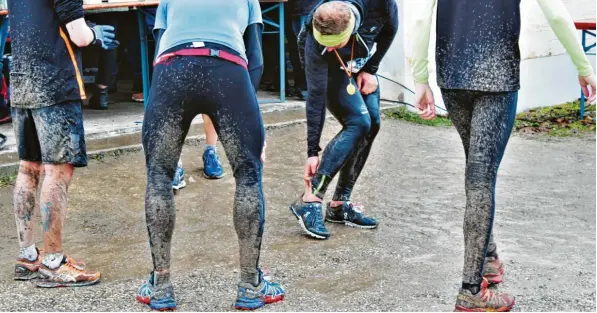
x,y
206,52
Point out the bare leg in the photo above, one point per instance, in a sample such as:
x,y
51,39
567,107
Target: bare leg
x,y
53,204
211,136
24,201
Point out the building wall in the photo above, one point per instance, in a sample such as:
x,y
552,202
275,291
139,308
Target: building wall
x,y
548,77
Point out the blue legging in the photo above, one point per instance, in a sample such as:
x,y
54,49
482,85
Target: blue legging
x,y
348,151
182,88
484,121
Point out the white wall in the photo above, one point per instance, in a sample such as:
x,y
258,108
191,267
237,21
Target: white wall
x,y
548,77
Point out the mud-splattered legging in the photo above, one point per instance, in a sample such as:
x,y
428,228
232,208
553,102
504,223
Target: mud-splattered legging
x,y
484,121
349,150
182,88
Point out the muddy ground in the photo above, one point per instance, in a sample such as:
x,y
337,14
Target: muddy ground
x,y
545,230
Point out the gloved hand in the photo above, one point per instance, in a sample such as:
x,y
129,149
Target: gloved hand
x,y
104,36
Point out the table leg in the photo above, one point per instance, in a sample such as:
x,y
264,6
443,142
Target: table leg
x,y
282,54
144,59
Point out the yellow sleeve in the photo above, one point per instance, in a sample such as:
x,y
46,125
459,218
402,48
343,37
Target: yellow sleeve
x,y
560,21
421,30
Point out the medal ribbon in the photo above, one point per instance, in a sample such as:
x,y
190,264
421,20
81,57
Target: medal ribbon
x,y
349,74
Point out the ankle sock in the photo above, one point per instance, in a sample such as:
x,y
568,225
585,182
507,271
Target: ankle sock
x,y
29,253
53,260
473,288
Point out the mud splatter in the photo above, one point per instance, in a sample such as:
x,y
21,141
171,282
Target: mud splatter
x,y
484,135
185,88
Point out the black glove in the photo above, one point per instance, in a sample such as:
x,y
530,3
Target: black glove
x,y
104,36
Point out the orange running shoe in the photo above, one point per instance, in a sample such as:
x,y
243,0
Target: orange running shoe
x,y
486,300
68,274
27,270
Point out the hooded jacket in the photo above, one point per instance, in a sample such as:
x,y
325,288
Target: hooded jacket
x,y
377,26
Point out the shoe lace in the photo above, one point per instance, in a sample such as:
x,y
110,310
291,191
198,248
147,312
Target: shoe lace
x,y
357,207
212,159
490,297
318,217
72,267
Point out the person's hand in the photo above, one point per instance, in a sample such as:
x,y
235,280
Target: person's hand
x,y
587,84
104,36
424,101
367,83
311,167
263,152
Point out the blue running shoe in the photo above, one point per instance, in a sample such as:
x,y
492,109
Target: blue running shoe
x,y
251,298
350,214
160,299
310,218
178,181
212,168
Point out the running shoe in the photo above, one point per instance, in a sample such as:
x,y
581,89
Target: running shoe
x,y
161,299
212,168
68,274
138,97
250,297
493,270
486,300
178,181
350,214
27,270
310,218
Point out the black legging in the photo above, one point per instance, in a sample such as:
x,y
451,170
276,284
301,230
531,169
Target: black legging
x,y
484,121
347,153
182,88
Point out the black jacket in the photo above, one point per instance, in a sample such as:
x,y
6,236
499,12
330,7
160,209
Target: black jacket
x,y
301,7
45,65
379,24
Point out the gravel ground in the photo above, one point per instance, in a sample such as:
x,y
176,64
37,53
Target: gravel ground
x,y
545,230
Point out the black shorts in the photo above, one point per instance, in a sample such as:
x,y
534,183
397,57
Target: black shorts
x,y
51,135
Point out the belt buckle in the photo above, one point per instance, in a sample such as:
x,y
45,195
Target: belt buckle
x,y
214,53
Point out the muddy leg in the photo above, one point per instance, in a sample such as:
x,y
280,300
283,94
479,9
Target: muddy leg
x,y
53,201
24,199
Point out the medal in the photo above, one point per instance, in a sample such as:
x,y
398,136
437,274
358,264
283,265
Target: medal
x,y
350,88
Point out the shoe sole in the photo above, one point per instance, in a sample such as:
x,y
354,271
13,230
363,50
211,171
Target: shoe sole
x,y
502,309
180,186
351,224
46,283
213,177
147,301
28,276
302,224
270,300
138,100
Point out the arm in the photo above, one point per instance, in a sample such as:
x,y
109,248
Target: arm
x,y
560,21
252,39
157,36
384,38
316,72
160,25
70,13
421,31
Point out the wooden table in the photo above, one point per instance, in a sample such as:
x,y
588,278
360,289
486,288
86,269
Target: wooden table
x,y
136,5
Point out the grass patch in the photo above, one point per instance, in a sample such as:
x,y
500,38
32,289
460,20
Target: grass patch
x,y
559,120
8,180
402,113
